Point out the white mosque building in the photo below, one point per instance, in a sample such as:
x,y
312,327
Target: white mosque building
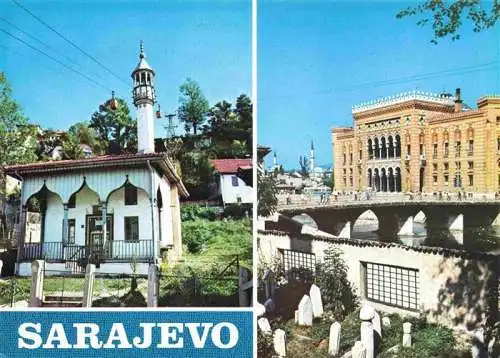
x,y
110,210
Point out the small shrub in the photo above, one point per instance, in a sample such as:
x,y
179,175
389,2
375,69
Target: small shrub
x,y
238,211
336,290
433,341
350,331
193,212
195,235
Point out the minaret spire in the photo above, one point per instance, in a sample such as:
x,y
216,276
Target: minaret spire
x,y
142,55
144,97
311,158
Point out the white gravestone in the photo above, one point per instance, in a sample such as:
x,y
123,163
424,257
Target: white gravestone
x,y
264,325
305,311
358,351
334,341
407,334
317,303
366,315
260,310
296,316
279,341
376,324
478,348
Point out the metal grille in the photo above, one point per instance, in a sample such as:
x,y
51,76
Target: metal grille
x,y
297,264
392,285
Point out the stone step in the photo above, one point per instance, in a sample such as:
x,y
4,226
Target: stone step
x,y
57,298
62,304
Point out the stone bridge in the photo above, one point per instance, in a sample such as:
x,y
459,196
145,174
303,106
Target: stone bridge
x,y
397,218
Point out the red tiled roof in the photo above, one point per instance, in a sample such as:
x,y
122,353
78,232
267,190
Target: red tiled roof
x,y
227,166
104,161
71,163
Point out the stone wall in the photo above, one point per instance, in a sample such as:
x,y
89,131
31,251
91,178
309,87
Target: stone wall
x,y
455,288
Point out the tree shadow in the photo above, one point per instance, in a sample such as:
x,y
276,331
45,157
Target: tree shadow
x,y
469,296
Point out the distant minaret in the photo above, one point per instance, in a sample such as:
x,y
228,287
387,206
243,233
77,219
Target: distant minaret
x,y
275,160
144,99
311,158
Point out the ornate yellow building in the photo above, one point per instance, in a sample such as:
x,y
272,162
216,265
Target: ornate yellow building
x,y
420,142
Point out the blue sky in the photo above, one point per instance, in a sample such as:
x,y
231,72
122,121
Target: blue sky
x,y
318,58
207,41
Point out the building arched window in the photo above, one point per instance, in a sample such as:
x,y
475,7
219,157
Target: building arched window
x,y
421,139
458,143
446,138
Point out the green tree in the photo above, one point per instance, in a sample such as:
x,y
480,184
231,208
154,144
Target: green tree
x,y
230,129
115,128
18,137
87,135
196,172
244,112
193,107
447,16
267,202
328,180
71,148
303,165
336,290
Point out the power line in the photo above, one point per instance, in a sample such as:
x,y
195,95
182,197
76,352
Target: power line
x,y
68,40
461,70
56,60
42,43
22,54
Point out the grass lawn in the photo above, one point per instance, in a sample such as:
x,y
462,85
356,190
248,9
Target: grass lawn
x,y
53,285
209,247
217,242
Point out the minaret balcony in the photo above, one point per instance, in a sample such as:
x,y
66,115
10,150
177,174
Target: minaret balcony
x,y
144,92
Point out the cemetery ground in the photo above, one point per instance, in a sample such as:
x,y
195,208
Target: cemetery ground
x,y
428,340
215,246
306,336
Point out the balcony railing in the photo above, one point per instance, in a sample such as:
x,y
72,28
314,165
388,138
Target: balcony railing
x,y
115,250
129,250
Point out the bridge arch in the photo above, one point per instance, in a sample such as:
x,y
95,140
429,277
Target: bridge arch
x,y
366,222
305,219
